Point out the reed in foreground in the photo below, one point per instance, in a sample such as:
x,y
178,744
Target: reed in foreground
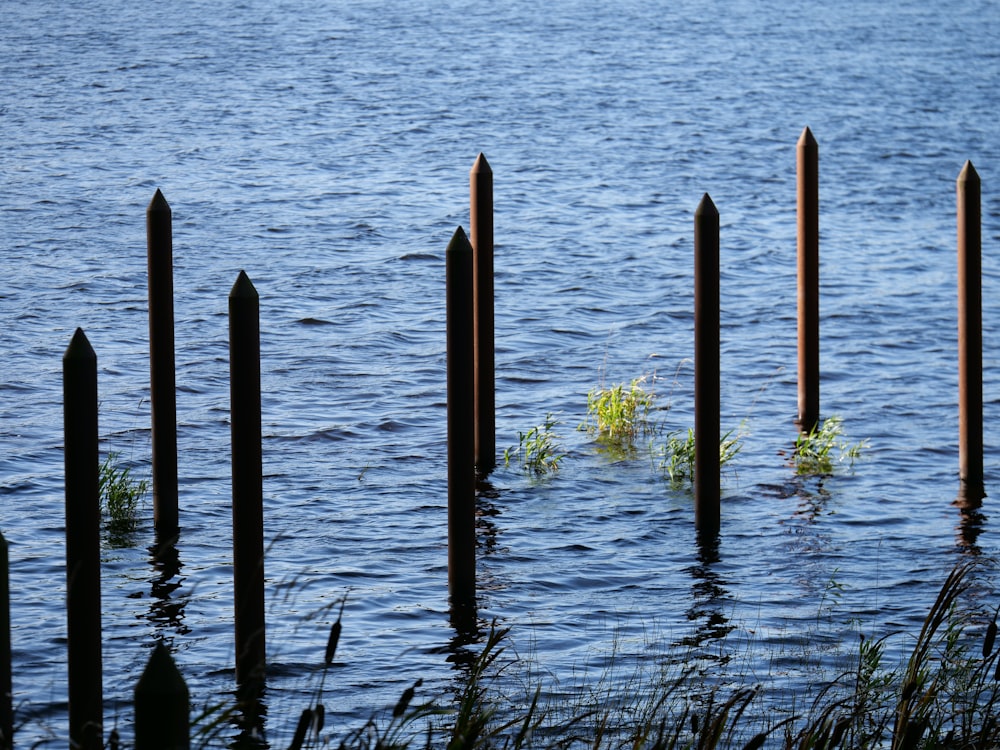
x,y
945,695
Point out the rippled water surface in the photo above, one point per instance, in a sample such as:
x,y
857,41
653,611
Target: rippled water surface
x,y
325,147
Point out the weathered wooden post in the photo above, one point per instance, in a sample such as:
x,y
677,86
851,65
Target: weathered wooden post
x,y
248,486
6,667
162,716
461,423
481,239
970,336
83,544
162,386
706,367
807,163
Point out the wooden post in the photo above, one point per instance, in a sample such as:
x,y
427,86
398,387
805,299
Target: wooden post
x,y
248,490
6,668
481,239
807,161
162,720
970,336
162,387
706,367
83,544
461,423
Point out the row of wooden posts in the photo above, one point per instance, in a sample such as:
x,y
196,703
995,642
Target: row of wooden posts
x,y
470,426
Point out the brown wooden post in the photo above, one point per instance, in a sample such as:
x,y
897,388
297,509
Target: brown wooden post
x,y
248,488
162,387
706,367
461,423
807,161
481,239
162,713
6,667
83,544
970,335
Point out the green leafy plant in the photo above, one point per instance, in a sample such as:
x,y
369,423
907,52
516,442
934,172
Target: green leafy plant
x,y
537,449
120,493
678,454
620,413
823,447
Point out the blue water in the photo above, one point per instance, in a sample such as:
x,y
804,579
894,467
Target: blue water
x,y
325,147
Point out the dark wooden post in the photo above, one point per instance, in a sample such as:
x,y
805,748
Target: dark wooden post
x,y
162,388
162,720
6,667
248,489
970,336
706,367
461,423
807,160
83,544
481,239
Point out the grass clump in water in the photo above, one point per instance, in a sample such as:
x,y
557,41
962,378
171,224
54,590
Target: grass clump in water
x,y
818,451
120,493
619,414
678,453
538,450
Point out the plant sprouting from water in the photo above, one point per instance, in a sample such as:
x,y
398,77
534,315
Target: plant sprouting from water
x,y
620,413
120,493
538,449
678,453
823,447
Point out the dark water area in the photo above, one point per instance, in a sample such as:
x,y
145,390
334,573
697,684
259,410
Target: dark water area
x,y
324,147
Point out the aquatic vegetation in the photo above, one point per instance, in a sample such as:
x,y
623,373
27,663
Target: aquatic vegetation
x,y
538,449
677,455
120,493
822,448
620,413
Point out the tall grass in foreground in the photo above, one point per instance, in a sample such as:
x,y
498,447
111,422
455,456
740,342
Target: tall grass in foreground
x,y
944,695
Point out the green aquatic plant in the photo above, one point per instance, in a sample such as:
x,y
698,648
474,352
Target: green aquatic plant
x,y
820,449
620,413
538,449
120,493
677,455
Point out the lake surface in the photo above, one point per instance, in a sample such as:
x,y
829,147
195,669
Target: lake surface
x,y
324,147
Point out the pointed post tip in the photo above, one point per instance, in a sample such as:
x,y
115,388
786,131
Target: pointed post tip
x,y
79,347
481,165
459,242
706,207
161,676
158,203
807,138
968,173
243,287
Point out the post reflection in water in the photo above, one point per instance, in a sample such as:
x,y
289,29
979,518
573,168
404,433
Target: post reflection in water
x,y
971,523
250,719
165,611
708,595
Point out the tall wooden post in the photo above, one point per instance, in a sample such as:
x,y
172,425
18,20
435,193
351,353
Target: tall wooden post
x,y
162,385
162,711
6,668
83,544
970,335
248,489
461,424
807,162
481,239
706,367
